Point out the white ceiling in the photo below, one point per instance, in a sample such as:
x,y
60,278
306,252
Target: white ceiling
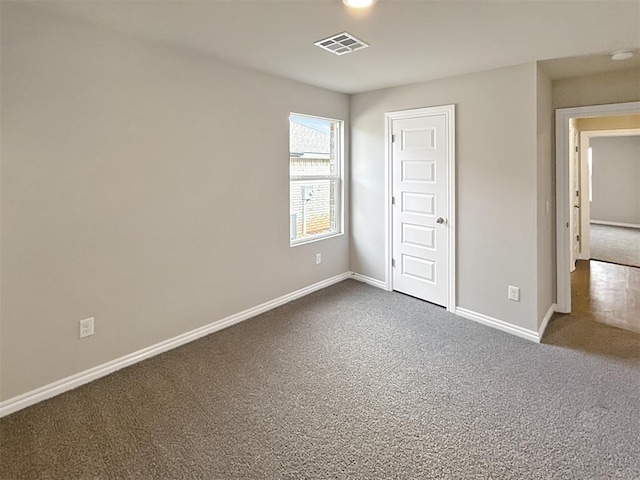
x,y
410,41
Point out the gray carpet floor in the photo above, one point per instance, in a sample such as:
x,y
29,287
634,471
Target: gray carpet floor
x,y
349,382
615,244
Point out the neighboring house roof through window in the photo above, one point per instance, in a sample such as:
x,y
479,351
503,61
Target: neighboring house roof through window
x,y
307,141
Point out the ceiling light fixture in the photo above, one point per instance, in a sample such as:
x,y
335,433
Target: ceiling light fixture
x,y
622,55
358,3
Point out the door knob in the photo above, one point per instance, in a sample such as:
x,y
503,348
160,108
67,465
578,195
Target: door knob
x,y
441,220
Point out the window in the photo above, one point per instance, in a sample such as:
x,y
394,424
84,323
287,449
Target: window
x,y
315,177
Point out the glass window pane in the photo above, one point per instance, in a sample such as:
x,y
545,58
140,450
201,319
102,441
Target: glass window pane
x,y
313,208
314,151
312,146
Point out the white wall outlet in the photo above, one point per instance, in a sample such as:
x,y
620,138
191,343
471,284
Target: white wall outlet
x,y
318,258
514,293
85,327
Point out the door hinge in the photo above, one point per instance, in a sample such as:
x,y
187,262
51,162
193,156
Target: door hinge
x,y
576,149
578,238
393,262
393,138
393,200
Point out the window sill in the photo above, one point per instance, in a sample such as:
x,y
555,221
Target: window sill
x,y
305,241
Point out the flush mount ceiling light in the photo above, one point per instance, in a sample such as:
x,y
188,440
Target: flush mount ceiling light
x,y
358,3
622,55
341,43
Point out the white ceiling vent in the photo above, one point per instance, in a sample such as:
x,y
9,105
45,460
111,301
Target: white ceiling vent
x,y
341,43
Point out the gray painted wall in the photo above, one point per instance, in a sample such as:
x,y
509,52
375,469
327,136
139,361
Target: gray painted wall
x,y
125,165
616,179
142,185
496,185
598,89
546,194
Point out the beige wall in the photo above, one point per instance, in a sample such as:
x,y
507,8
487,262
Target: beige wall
x,y
144,186
619,122
599,89
129,169
616,179
546,195
496,185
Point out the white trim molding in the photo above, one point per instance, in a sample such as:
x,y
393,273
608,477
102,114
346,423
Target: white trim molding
x,y
370,281
449,111
531,335
585,204
545,321
56,388
563,197
615,224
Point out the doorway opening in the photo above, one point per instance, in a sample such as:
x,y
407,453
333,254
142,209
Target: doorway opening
x,y
613,219
565,192
598,213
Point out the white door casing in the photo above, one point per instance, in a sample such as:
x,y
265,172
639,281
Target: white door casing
x,y
585,204
421,227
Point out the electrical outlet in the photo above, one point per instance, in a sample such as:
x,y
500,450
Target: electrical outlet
x,y
318,258
85,327
514,293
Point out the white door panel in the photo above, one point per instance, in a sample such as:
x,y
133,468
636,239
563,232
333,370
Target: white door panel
x,y
574,173
420,192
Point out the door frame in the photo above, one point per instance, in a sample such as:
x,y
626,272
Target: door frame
x,y
585,205
449,112
563,197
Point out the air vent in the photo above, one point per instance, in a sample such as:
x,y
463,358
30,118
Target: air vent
x,y
341,43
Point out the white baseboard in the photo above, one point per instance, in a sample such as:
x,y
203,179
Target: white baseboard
x,y
615,224
30,398
498,324
545,321
371,281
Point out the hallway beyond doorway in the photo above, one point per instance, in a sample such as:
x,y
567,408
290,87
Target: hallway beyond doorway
x,y
607,293
615,244
605,319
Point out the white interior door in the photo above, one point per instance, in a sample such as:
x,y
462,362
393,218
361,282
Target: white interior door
x,y
574,174
420,207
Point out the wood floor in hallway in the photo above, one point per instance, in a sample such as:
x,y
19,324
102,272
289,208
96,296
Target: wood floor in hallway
x,y
607,293
605,313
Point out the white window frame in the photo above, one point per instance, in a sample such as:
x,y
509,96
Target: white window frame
x,y
338,177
